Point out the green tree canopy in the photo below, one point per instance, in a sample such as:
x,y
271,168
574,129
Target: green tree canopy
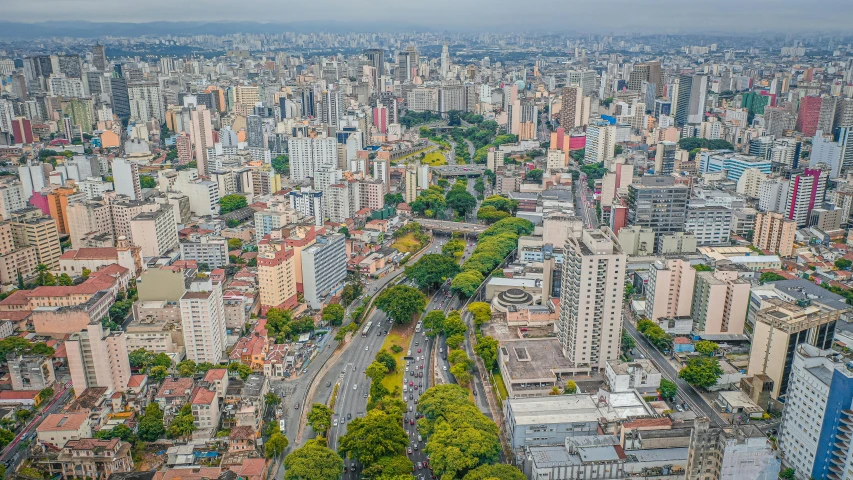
x,y
376,371
460,200
151,424
454,324
843,264
281,164
401,303
433,322
275,445
183,425
706,347
431,271
767,277
313,461
481,311
466,283
385,358
147,181
232,202
503,204
628,342
455,341
702,372
534,175
667,389
333,314
499,471
397,467
487,349
187,368
571,387
320,418
701,267
374,436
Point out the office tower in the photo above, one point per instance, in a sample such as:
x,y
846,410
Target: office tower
x,y
786,151
451,98
665,158
445,61
276,275
146,101
646,72
829,106
806,191
688,98
39,66
720,302
809,115
814,437
657,202
844,138
98,357
590,323
600,143
66,87
575,108
586,79
120,97
730,453
669,292
156,232
255,132
779,328
376,59
407,64
203,322
710,224
778,120
761,147
773,193
308,202
22,130
70,65
410,176
423,100
7,113
390,102
309,154
339,203
774,233
754,102
331,107
202,136
324,267
99,57
126,178
89,218
380,118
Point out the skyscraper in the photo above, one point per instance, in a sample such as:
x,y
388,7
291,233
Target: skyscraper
x,y
308,154
590,324
809,115
806,191
445,61
658,203
331,107
665,158
688,96
646,72
600,143
203,322
202,133
99,57
120,97
575,107
126,178
255,132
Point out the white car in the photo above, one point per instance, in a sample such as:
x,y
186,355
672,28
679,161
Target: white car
x,y
444,367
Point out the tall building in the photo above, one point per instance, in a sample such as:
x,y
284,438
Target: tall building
x,y
410,177
203,322
710,224
309,203
658,203
276,274
146,101
11,198
775,233
445,61
323,269
590,324
202,137
809,115
649,72
600,143
574,109
98,358
156,232
669,292
39,232
720,302
307,155
126,178
689,92
331,107
730,453
120,97
586,79
665,158
255,132
806,191
376,59
814,437
779,327
99,57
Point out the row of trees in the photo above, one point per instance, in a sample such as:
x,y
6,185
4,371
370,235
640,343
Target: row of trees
x,y
432,270
401,303
496,207
283,327
460,200
656,336
494,245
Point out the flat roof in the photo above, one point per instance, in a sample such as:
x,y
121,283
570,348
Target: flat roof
x,y
576,408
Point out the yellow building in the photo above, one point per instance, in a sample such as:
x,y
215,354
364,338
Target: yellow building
x,y
775,233
276,274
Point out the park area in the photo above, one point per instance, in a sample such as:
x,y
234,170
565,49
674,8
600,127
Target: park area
x,y
434,159
407,243
400,336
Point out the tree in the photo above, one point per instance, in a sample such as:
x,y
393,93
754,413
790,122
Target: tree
x,y
203,367
140,358
534,175
500,203
702,372
455,341
183,425
667,389
65,280
146,181
385,358
351,291
462,373
158,373
122,432
320,418
23,415
499,471
376,371
481,311
701,267
42,271
334,314
628,342
232,202
396,467
460,200
401,303
41,348
235,244
467,282
281,164
571,387
454,247
393,199
490,214
706,347
432,200
374,436
161,360
6,437
13,344
843,264
271,399
459,356
433,322
788,474
454,324
151,425
275,445
767,277
431,271
487,349
187,368
313,461
46,394
85,273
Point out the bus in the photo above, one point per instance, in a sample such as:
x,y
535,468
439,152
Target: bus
x,y
366,329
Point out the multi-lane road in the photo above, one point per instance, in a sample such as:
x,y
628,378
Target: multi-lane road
x,y
584,202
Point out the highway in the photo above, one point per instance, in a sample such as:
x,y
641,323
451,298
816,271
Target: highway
x,y
686,393
585,202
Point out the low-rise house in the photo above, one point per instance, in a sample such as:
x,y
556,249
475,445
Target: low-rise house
x,y
242,439
638,375
173,394
59,428
91,458
205,408
218,380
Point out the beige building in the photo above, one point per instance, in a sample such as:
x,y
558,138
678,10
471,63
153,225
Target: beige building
x,y
277,274
669,292
98,358
59,428
750,182
156,327
637,240
126,210
156,233
720,302
410,176
591,298
676,243
779,328
163,284
85,218
775,233
31,372
40,233
14,258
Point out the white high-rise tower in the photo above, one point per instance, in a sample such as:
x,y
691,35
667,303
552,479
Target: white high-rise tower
x,y
445,61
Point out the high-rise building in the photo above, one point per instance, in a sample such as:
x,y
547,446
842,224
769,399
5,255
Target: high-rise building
x,y
126,178
203,322
665,158
331,107
307,155
586,79
410,176
376,59
688,98
669,292
814,437
730,453
806,191
445,61
720,302
22,130
657,202
809,115
11,198
120,97
323,269
309,203
146,101
98,358
775,233
156,232
255,132
423,99
590,324
778,120
39,232
575,108
99,57
649,72
779,327
202,137
600,143
276,274
710,224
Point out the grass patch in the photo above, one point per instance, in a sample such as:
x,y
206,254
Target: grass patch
x,y
407,243
334,398
399,335
499,383
434,159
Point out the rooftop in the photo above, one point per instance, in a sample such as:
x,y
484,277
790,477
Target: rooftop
x,y
62,421
576,408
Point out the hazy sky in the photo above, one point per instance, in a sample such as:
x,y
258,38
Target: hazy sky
x,y
567,15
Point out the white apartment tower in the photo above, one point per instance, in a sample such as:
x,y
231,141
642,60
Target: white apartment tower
x,y
308,154
203,322
590,324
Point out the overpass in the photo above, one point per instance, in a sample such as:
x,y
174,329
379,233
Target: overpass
x,y
459,170
452,227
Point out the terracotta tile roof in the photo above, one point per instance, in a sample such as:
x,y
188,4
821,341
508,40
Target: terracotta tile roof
x,y
63,421
251,467
91,444
177,387
15,315
242,433
252,345
102,253
18,394
136,380
276,353
193,473
215,374
18,297
203,396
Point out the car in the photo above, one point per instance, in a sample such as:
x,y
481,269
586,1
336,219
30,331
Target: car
x,y
422,367
385,332
419,350
352,468
409,353
441,350
411,397
349,416
420,439
365,394
355,387
475,392
411,383
345,468
416,449
296,406
409,450
335,422
410,408
366,348
678,407
416,344
413,421
416,387
444,367
420,465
